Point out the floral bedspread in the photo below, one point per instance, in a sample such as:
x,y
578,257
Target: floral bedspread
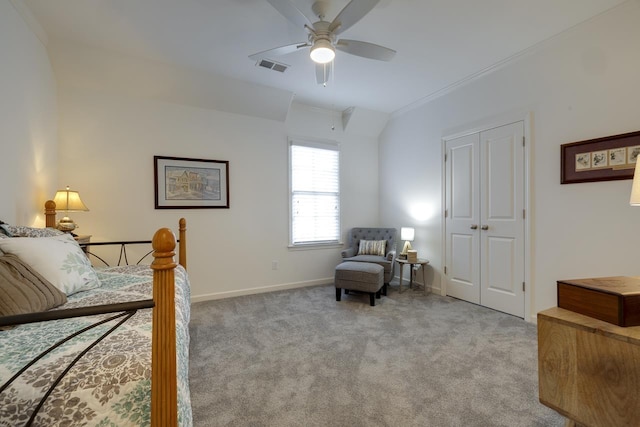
x,y
111,384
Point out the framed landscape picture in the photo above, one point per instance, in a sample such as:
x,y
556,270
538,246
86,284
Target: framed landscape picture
x,y
601,159
183,183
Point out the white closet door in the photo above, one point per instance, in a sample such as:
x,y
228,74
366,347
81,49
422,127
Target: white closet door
x,y
463,218
502,230
484,225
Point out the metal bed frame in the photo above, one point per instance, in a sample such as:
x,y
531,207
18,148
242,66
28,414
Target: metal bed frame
x,y
125,311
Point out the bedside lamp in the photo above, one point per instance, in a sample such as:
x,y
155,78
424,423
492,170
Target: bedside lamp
x,y
407,234
635,187
68,201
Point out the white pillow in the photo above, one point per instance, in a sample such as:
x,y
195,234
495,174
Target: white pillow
x,y
58,259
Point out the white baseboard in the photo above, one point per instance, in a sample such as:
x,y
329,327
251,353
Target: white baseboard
x,y
260,290
281,287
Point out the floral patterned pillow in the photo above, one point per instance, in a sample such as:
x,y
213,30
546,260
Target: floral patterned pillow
x,y
23,231
58,259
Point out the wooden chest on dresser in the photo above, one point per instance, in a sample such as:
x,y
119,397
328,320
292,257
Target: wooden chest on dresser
x,y
612,299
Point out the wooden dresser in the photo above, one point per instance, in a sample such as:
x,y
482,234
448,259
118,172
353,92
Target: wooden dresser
x,y
589,370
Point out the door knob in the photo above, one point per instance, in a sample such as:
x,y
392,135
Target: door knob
x,y
485,227
474,227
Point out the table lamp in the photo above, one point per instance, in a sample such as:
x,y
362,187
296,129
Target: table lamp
x,y
635,187
407,234
68,201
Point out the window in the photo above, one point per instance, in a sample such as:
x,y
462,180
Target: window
x,y
315,192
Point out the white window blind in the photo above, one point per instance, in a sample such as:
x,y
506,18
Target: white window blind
x,y
315,193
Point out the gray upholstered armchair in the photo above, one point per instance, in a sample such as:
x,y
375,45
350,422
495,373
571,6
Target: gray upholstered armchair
x,y
387,261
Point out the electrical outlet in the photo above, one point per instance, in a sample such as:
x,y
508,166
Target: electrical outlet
x,y
274,265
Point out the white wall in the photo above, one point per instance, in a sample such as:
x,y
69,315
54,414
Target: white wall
x,y
28,122
107,144
580,85
113,121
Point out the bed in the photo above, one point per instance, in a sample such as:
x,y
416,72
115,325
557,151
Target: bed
x,y
136,375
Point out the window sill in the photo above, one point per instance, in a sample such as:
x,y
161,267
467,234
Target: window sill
x,y
314,246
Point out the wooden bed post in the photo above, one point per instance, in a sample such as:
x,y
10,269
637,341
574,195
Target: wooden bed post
x,y
50,214
164,395
182,253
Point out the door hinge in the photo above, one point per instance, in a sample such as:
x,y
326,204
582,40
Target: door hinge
x,y
445,157
445,270
523,141
523,286
524,214
446,213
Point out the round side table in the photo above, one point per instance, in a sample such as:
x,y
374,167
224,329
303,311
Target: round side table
x,y
422,263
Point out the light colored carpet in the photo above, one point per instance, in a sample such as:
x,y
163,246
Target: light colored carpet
x,y
299,358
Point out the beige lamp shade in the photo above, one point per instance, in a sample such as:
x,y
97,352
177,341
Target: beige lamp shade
x,y
68,201
635,187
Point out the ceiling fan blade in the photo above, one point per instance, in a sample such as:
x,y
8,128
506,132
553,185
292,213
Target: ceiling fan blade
x,y
323,71
282,50
292,13
366,50
352,13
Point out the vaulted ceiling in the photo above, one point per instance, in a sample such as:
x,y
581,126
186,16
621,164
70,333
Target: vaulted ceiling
x,y
439,43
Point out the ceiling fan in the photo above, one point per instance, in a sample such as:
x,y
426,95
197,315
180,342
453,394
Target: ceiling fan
x,y
322,35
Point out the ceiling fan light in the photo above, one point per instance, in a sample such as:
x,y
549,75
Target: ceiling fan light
x,y
322,52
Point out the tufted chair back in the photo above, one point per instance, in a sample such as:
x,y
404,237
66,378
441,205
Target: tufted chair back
x,y
357,234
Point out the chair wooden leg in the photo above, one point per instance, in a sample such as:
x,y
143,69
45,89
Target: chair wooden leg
x,y
372,299
346,291
338,294
379,294
384,289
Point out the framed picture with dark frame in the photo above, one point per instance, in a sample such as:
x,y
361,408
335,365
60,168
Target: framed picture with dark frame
x,y
183,183
601,159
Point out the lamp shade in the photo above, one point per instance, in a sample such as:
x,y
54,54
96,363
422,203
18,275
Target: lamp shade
x,y
69,201
635,187
407,233
322,52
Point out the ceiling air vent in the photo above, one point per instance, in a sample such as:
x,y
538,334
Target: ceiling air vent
x,y
272,65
